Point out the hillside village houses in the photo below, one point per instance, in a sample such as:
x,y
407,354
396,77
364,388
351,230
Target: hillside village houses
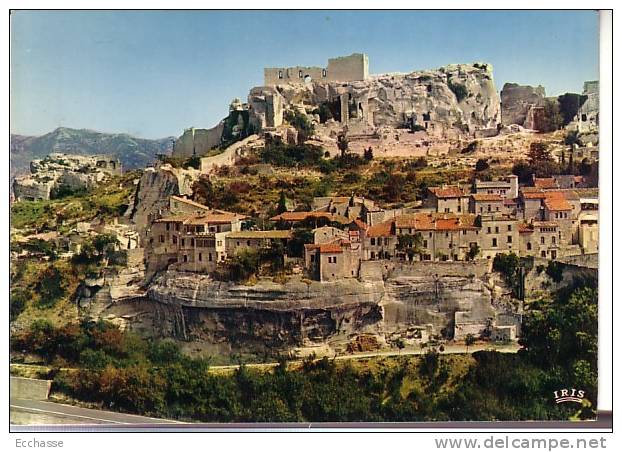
x,y
550,219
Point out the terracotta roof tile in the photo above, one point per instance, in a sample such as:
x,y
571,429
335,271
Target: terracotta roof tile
x,y
274,234
533,194
451,191
302,216
545,182
384,229
486,197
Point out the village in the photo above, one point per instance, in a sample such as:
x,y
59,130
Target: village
x,y
554,218
526,191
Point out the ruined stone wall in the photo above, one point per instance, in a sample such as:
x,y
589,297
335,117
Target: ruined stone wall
x,y
344,69
200,141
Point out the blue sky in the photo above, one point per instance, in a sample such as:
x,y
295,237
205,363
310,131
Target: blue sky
x,y
152,74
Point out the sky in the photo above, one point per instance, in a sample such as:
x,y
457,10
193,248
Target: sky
x,y
154,73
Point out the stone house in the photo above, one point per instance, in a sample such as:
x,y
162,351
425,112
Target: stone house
x,y
505,188
540,239
255,240
380,241
332,261
499,234
350,207
328,234
485,204
447,199
181,240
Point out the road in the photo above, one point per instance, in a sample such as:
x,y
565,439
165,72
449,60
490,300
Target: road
x,y
39,412
448,350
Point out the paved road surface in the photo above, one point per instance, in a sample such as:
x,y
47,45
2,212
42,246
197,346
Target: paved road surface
x,y
38,412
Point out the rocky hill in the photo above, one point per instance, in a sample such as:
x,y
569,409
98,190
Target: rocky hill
x,y
132,152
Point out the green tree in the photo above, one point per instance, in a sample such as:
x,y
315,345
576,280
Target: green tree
x,y
282,205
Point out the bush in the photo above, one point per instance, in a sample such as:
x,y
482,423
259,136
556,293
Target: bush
x,y
50,286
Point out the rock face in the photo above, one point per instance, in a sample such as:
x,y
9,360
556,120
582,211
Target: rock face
x,y
517,101
63,171
301,313
155,187
458,97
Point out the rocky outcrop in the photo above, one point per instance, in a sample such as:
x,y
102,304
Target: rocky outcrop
x,y
518,102
63,171
155,187
459,97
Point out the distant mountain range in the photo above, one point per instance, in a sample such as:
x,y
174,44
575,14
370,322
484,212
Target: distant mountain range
x,y
132,152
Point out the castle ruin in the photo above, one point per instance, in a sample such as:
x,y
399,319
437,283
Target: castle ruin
x,y
341,69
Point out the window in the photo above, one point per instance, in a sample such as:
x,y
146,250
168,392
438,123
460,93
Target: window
x,y
219,243
280,74
494,242
529,246
425,243
209,257
161,239
553,254
299,74
446,209
542,240
373,255
496,229
191,242
168,226
373,241
553,240
185,258
386,241
200,257
248,243
509,239
174,240
543,254
323,72
509,227
459,208
489,230
313,258
183,242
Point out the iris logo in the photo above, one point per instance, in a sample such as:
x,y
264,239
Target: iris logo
x,y
569,395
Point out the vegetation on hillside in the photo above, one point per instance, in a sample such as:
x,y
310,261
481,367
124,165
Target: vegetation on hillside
x,y
107,201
